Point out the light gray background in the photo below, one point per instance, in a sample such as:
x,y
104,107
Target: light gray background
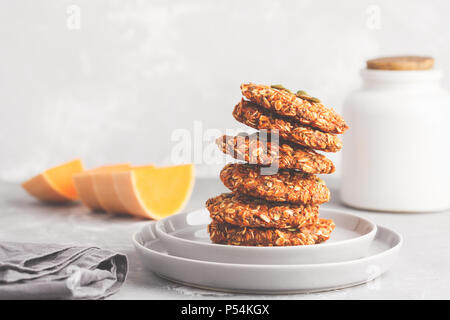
x,y
116,88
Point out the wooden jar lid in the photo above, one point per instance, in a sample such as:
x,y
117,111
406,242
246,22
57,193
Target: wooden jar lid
x,y
401,63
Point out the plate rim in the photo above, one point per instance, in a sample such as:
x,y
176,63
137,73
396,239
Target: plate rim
x,y
265,292
396,247
370,234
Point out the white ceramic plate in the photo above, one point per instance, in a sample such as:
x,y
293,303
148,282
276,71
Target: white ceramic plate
x,y
269,279
185,235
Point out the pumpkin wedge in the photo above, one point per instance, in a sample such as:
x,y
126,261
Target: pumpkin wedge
x,y
84,184
55,184
105,191
155,193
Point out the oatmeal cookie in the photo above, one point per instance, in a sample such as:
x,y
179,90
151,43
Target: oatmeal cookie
x,y
304,111
242,210
255,149
246,236
256,117
285,186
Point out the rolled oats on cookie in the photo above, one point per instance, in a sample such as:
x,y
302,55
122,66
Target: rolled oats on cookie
x,y
255,149
307,111
257,117
246,236
245,211
285,186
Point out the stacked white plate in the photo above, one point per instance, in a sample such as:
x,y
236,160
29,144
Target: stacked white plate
x,y
178,248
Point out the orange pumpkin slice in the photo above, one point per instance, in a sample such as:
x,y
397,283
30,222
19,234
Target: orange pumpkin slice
x,y
155,193
105,191
55,184
84,184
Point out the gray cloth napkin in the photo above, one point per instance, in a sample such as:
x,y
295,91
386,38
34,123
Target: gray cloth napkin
x,y
47,271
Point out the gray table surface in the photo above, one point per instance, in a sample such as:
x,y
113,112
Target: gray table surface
x,y
421,272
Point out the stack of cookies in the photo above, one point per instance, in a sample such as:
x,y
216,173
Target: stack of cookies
x,y
282,208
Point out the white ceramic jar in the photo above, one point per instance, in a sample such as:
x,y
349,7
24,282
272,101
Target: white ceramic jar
x,y
396,154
